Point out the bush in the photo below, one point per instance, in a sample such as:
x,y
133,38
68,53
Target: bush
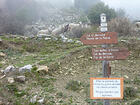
x,y
97,10
136,102
122,26
74,85
77,32
129,92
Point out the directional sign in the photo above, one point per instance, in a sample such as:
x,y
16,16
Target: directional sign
x,y
106,88
110,53
100,38
103,24
103,29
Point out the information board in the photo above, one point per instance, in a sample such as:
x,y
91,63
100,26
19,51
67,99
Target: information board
x,y
106,88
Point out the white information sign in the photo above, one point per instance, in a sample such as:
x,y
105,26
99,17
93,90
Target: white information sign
x,y
103,29
104,24
106,88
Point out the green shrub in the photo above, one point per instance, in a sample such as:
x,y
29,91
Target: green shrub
x,y
74,85
12,88
129,92
137,102
20,93
122,26
136,81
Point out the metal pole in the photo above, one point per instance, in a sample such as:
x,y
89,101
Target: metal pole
x,y
103,28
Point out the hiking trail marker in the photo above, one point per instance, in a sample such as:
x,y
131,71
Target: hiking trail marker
x,y
99,38
110,53
105,88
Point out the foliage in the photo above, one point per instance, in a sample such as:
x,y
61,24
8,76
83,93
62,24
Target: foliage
x,y
77,32
74,85
96,10
136,81
136,102
122,26
129,92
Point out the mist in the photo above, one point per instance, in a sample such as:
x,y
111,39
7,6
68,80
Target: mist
x,y
60,3
131,7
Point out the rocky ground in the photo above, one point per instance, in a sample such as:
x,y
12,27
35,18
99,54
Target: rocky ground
x,y
53,72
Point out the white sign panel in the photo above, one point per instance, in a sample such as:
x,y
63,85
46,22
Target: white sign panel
x,y
103,29
104,24
106,88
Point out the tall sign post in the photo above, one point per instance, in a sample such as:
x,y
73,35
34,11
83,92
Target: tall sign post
x,y
105,88
105,63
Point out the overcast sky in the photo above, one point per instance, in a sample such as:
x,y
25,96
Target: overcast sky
x,y
132,7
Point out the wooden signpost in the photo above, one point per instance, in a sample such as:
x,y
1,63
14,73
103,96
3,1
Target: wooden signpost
x,y
110,53
103,88
99,38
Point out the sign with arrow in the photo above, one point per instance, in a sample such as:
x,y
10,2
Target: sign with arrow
x,y
110,53
99,38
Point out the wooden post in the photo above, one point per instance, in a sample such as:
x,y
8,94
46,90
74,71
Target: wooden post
x,y
103,28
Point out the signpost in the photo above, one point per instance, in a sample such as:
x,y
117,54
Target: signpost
x,y
105,88
104,62
110,53
99,38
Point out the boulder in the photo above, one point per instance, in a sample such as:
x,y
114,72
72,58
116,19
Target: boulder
x,y
2,54
26,68
41,101
2,76
20,79
41,35
10,80
43,68
43,32
0,40
33,99
9,69
70,40
47,38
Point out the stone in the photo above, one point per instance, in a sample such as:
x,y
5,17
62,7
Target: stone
x,y
26,68
20,79
47,38
9,69
11,80
2,54
41,35
41,101
34,99
2,76
1,103
70,40
43,68
78,42
126,76
0,40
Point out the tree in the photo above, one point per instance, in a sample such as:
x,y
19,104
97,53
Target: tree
x,y
96,10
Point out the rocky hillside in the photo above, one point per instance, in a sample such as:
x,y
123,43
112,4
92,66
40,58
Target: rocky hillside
x,y
53,72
